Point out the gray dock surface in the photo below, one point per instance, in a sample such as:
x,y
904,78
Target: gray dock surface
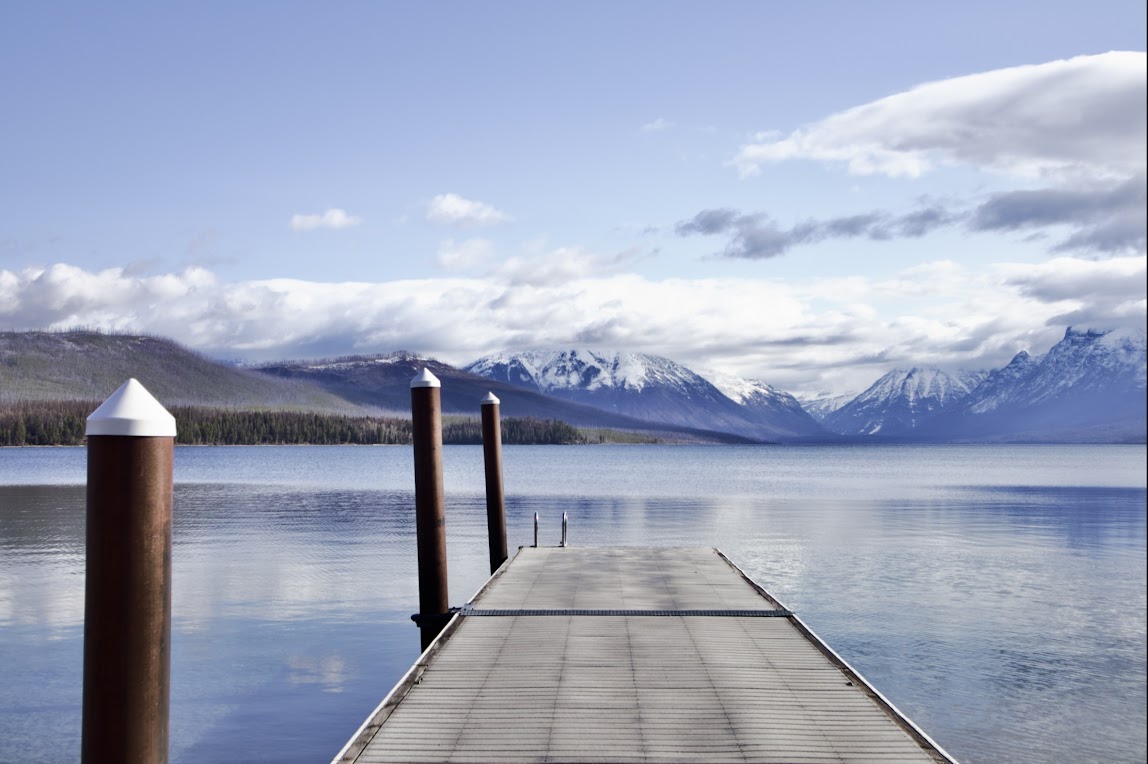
x,y
631,655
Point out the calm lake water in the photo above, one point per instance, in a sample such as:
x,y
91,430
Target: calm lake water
x,y
996,594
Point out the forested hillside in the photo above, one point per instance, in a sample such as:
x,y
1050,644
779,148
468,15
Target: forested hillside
x,y
62,423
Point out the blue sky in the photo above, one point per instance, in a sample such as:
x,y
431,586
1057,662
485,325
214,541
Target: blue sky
x,y
810,194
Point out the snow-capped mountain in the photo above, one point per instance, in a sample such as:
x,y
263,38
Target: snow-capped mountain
x,y
821,405
644,386
897,403
551,371
1089,386
1002,384
764,400
1089,361
383,382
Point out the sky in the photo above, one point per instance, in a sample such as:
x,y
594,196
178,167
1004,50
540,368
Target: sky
x,y
809,194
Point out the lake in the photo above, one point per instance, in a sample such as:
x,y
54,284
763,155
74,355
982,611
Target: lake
x,y
996,594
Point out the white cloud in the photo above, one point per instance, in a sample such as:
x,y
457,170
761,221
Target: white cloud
x,y
1080,117
657,125
333,218
824,334
452,209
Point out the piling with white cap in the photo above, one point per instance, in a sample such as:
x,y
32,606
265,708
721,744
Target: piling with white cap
x,y
430,505
127,601
495,500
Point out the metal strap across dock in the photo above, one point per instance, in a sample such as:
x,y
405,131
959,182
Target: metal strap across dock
x,y
466,611
557,659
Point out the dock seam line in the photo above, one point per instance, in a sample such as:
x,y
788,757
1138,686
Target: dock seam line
x,y
509,612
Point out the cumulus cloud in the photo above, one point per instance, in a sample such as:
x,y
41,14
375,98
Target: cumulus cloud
x,y
455,210
334,218
1080,117
831,333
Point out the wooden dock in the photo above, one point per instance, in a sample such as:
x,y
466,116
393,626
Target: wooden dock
x,y
632,655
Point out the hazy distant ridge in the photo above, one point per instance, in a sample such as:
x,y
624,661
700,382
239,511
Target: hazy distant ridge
x,y
83,365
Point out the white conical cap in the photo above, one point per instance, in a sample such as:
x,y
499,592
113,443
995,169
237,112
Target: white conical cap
x,y
490,399
425,379
131,410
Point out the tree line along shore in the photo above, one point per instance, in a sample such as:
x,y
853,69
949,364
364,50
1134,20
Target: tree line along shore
x,y
62,423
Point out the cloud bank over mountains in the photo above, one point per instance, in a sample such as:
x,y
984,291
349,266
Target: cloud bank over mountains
x,y
818,335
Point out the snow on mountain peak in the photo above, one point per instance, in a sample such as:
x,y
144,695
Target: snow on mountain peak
x,y
920,383
1127,343
584,369
900,399
1089,356
821,404
652,388
354,361
738,389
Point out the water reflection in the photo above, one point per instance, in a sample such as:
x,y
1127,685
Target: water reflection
x,y
995,615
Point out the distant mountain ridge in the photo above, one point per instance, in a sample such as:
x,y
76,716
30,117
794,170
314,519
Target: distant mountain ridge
x,y
85,365
1090,386
821,405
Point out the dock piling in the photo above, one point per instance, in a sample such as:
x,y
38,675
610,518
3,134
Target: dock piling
x,y
495,499
127,598
430,505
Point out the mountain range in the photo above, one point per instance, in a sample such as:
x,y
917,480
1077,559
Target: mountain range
x,y
1089,387
384,381
652,388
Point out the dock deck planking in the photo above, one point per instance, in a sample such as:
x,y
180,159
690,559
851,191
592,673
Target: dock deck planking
x,y
569,687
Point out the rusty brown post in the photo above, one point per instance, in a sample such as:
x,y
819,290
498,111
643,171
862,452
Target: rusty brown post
x,y
430,506
495,500
127,600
